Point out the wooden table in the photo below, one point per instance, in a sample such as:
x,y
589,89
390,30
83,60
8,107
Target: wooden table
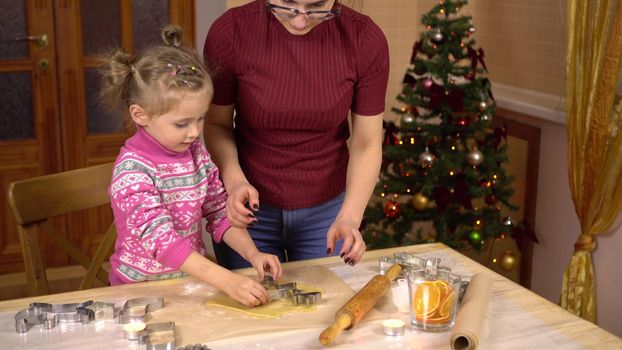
x,y
517,319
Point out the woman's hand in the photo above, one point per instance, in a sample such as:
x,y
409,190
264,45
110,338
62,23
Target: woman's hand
x,y
245,290
263,263
238,213
353,244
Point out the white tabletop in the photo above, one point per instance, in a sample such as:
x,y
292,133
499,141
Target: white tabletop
x,y
517,319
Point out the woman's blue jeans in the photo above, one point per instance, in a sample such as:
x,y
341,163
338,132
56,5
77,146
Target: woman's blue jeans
x,y
291,235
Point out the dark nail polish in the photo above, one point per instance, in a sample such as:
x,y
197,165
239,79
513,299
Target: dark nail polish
x,y
328,251
253,223
255,206
347,261
251,215
342,255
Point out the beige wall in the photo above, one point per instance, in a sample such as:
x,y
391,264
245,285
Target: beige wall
x,y
524,45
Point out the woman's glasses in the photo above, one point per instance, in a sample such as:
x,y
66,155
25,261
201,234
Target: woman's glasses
x,y
289,13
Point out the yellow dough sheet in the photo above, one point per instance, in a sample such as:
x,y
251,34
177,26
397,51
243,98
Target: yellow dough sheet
x,y
272,309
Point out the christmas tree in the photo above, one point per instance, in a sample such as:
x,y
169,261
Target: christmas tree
x,y
443,164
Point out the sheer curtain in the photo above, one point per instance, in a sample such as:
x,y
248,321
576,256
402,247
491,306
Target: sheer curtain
x,y
593,69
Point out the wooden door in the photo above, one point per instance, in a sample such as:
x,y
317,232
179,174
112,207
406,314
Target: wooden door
x,y
29,115
50,117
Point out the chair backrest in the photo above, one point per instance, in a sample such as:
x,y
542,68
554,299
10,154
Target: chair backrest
x,y
36,200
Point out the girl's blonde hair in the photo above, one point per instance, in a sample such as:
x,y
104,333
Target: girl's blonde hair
x,y
156,78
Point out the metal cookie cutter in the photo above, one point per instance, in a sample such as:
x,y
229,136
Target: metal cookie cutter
x,y
289,290
158,336
275,290
51,314
139,309
408,260
306,298
98,311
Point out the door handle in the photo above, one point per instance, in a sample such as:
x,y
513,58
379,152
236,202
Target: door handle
x,y
41,41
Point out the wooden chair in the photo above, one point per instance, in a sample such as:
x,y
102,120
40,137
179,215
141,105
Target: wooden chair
x,y
35,201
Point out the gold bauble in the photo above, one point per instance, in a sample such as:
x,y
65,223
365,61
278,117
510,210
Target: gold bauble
x,y
508,261
420,201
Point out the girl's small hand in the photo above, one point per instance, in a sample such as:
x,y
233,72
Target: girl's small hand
x,y
246,291
353,244
238,213
263,263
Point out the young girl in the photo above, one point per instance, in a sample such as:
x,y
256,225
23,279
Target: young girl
x,y
164,181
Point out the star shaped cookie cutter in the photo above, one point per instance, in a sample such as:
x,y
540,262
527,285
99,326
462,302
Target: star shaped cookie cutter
x,y
289,290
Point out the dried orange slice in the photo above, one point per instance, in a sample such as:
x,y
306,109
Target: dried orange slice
x,y
437,320
426,300
447,304
443,286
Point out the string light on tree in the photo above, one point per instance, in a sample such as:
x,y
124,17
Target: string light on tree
x,y
426,159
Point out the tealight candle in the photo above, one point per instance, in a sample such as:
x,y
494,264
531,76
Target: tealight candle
x,y
393,327
132,330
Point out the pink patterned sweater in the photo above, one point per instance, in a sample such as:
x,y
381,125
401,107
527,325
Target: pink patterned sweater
x,y
158,198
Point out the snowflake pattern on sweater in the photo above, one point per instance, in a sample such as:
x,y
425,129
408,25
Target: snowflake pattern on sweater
x,y
158,199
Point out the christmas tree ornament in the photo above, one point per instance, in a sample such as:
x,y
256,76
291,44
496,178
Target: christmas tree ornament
x,y
507,221
475,237
436,36
475,157
420,202
426,159
391,209
407,119
472,30
482,106
508,261
427,83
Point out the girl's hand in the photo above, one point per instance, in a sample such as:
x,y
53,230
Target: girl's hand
x,y
246,291
238,213
263,263
353,244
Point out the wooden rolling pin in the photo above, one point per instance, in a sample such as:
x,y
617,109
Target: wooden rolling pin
x,y
357,307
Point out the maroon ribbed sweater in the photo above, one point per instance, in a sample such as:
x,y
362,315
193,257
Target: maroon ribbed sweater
x,y
292,95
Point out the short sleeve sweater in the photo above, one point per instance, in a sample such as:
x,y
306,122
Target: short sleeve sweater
x,y
158,198
292,95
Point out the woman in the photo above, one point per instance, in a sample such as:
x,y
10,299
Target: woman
x,y
293,70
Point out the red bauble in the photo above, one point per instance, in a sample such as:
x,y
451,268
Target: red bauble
x,y
391,209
